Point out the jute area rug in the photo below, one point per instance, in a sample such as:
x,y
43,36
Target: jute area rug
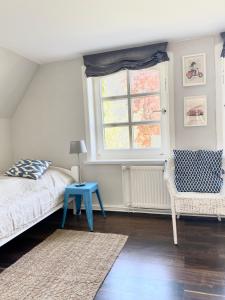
x,y
67,265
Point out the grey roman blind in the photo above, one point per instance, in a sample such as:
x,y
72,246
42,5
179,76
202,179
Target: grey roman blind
x,y
223,37
132,59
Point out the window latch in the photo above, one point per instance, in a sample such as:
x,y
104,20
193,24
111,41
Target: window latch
x,y
163,111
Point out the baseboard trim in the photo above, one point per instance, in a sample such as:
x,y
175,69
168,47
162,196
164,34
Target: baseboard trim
x,y
126,209
122,208
134,210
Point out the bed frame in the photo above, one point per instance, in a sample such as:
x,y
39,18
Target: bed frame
x,y
74,174
18,232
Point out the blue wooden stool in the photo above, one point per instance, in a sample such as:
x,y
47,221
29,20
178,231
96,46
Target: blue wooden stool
x,y
85,192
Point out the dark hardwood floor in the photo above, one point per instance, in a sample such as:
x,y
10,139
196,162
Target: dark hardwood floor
x,y
149,267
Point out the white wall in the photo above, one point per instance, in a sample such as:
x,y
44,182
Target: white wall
x,y
51,115
6,144
16,73
195,137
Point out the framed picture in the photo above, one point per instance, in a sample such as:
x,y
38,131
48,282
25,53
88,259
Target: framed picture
x,y
195,111
194,69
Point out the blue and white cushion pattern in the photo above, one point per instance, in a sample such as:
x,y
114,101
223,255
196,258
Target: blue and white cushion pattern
x,y
210,171
28,168
186,168
198,171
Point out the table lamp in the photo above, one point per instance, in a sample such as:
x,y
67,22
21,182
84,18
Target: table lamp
x,y
78,147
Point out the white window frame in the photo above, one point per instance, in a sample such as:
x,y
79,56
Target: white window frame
x,y
220,96
93,123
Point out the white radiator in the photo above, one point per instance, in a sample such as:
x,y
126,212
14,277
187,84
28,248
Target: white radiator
x,y
144,187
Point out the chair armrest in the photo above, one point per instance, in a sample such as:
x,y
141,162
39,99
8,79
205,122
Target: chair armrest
x,y
169,177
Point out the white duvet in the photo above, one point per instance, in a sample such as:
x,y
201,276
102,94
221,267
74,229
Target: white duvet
x,y
24,200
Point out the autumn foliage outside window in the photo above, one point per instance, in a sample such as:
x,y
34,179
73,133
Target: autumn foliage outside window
x,y
130,102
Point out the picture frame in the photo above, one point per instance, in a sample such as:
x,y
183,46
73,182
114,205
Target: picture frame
x,y
194,69
195,111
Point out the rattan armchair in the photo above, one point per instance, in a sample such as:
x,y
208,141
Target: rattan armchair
x,y
201,204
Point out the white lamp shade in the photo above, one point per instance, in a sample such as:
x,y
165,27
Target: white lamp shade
x,y
78,147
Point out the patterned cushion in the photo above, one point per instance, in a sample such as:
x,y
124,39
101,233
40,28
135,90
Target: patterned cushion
x,y
210,171
28,168
186,170
198,171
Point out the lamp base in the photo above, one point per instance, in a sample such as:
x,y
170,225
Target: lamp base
x,y
80,183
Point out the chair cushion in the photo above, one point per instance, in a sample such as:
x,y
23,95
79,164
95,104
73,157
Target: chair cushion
x,y
28,168
210,171
186,170
198,171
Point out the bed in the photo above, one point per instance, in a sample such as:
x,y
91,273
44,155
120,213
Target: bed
x,y
25,202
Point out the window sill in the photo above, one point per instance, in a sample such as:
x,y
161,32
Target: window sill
x,y
157,161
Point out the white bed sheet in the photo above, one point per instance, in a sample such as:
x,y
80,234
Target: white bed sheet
x,y
24,200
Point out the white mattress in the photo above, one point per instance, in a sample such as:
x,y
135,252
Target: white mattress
x,y
24,200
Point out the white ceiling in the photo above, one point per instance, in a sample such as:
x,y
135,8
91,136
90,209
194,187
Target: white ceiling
x,y
49,30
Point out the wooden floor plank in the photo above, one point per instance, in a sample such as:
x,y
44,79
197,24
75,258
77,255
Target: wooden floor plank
x,y
196,295
150,267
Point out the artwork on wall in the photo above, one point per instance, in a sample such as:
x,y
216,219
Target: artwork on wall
x,y
195,111
194,69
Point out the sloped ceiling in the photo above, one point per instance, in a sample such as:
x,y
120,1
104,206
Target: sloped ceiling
x,y
43,31
48,30
16,73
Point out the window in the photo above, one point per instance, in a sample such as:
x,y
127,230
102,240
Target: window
x,y
220,96
222,115
131,114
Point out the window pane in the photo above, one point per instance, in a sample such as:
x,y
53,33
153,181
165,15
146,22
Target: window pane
x,y
116,137
143,107
114,85
146,136
115,111
144,81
